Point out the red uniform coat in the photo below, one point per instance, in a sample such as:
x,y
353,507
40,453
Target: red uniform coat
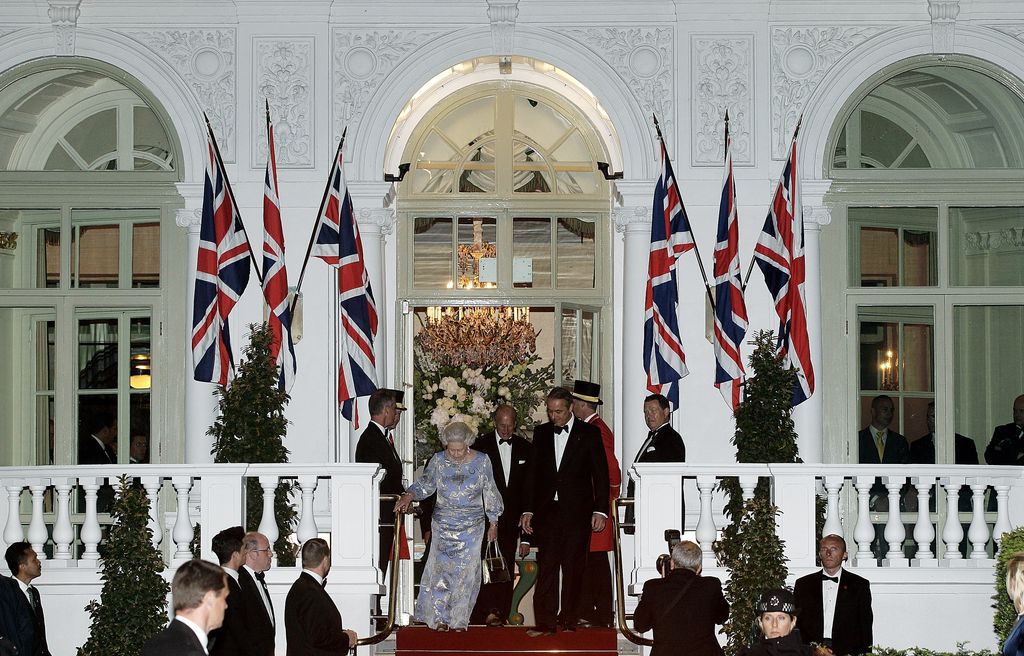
x,y
603,539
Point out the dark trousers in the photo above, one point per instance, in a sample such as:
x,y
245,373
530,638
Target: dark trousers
x,y
564,542
596,597
387,540
496,598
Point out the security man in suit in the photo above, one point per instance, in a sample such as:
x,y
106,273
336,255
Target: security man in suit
x,y
21,609
312,622
1007,444
199,593
567,497
835,604
230,639
663,443
510,456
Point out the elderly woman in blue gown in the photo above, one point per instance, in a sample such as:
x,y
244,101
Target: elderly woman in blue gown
x,y
1014,645
467,500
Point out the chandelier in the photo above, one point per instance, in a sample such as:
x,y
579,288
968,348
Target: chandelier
x,y
478,336
469,260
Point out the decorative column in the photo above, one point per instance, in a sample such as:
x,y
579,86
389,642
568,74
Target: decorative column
x,y
808,416
200,404
63,16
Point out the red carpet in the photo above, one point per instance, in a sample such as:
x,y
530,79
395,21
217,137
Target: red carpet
x,y
511,641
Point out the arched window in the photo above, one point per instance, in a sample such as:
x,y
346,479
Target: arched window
x,y
928,166
87,198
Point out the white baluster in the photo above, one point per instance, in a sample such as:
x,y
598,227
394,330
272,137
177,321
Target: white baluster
x,y
706,531
833,484
895,533
268,522
977,533
924,532
307,523
37,533
13,531
748,484
63,532
152,486
91,533
864,532
953,532
183,530
1002,487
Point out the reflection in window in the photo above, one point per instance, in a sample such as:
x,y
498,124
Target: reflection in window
x,y
432,252
896,246
94,256
576,253
478,252
146,255
986,246
531,253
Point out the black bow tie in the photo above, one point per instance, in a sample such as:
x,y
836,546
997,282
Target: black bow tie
x,y
826,577
562,429
508,441
260,576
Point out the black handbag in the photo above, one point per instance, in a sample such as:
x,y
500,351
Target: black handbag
x,y
495,570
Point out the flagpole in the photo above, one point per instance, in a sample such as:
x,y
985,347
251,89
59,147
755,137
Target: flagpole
x,y
231,195
732,177
319,212
750,269
696,251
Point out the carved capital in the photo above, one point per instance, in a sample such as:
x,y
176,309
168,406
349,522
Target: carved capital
x,y
503,15
189,218
64,19
8,240
380,220
817,217
943,14
632,219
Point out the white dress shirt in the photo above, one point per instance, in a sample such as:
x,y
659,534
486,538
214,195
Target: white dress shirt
x,y
203,640
829,591
505,456
263,594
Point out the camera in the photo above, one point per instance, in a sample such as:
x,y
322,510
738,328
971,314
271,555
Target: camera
x,y
664,562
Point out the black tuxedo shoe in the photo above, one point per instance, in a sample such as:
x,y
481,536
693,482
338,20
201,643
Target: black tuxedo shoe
x,y
537,632
569,628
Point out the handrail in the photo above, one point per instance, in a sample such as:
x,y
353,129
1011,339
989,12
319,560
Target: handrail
x,y
396,551
620,593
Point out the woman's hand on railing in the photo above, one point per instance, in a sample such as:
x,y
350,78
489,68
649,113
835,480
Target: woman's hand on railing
x,y
403,503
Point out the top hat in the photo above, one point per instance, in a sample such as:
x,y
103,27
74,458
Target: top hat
x,y
778,600
584,390
399,397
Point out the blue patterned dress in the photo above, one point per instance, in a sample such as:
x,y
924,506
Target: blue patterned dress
x,y
466,493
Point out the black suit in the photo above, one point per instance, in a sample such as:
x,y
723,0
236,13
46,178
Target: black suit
x,y
260,638
687,626
19,622
176,640
232,636
851,621
497,597
312,622
563,526
374,447
922,452
662,445
1006,446
896,451
91,452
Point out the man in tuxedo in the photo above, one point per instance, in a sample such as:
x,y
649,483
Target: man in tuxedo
x,y
230,638
312,622
199,593
510,457
377,445
596,598
257,606
566,496
21,609
1007,444
97,448
683,607
835,604
663,443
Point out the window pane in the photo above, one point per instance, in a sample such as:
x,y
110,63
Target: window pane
x,y
984,246
97,423
146,255
477,256
587,347
95,138
569,341
893,246
432,253
94,259
97,354
44,351
576,253
478,176
433,181
151,140
529,169
29,248
988,348
531,253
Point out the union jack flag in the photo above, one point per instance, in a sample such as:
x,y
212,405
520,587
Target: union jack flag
x,y
780,255
275,274
338,244
730,310
222,273
664,358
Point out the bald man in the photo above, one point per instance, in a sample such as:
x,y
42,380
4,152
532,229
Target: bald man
x,y
1007,444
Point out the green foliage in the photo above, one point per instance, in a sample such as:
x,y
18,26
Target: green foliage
x,y
961,650
749,547
250,428
1006,614
132,606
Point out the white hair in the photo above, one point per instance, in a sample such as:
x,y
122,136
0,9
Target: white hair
x,y
457,432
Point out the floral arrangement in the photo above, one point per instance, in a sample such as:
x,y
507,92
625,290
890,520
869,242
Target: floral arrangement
x,y
449,392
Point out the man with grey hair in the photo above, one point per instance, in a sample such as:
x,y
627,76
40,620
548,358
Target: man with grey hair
x,y
683,608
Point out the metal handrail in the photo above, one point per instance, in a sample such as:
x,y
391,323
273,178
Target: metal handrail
x,y
396,552
620,592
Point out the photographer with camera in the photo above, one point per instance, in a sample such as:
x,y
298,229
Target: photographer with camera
x,y
683,607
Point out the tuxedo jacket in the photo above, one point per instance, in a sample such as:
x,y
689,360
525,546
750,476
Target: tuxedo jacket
x,y
922,450
666,445
312,622
90,452
897,452
687,626
232,636
18,620
851,623
374,446
1006,446
580,481
511,492
259,640
176,640
603,539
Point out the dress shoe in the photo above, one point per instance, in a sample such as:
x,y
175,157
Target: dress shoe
x,y
534,633
584,624
569,627
442,628
460,630
494,620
